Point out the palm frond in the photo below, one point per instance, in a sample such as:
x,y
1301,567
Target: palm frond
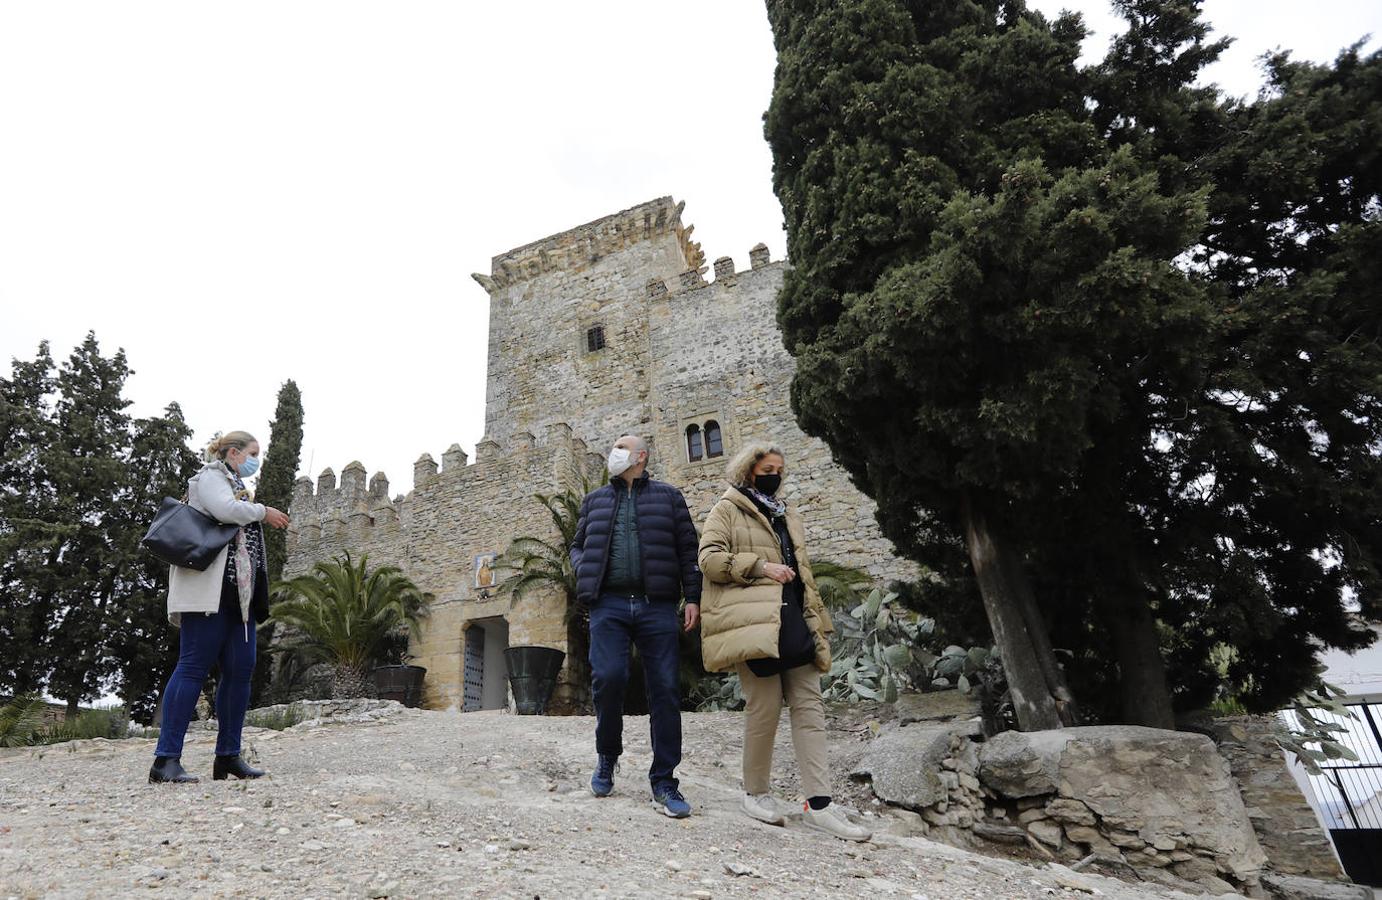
x,y
20,720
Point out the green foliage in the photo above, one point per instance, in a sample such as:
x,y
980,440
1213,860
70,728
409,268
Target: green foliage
x,y
343,612
109,723
880,649
81,603
839,585
716,693
1312,728
275,488
281,458
22,724
20,720
1129,327
277,718
543,563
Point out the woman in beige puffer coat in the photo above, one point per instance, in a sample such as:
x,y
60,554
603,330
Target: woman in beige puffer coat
x,y
757,576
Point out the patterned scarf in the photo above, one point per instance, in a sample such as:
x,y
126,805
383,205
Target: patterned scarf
x,y
777,508
248,553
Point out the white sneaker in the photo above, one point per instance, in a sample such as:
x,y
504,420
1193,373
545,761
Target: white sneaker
x,y
831,821
762,808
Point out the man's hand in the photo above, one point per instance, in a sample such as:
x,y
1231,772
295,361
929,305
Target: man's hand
x,y
778,572
692,616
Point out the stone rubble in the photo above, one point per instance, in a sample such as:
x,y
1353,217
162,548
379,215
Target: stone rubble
x,y
472,818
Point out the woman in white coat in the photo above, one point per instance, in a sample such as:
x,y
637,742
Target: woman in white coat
x,y
216,611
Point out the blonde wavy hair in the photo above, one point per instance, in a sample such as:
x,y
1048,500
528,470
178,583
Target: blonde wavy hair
x,y
741,464
223,443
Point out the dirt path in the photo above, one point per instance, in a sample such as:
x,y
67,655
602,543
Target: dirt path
x,y
439,804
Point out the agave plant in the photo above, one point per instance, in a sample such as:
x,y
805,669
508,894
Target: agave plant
x,y
345,613
881,648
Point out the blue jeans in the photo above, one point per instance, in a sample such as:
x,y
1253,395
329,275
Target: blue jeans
x,y
653,629
203,640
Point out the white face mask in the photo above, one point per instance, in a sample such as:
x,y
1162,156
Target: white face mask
x,y
619,461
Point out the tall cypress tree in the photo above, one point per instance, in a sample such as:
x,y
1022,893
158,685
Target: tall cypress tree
x,y
275,489
1029,318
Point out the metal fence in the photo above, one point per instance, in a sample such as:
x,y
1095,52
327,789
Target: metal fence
x,y
1350,792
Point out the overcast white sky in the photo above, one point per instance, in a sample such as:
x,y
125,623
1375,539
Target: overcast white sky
x,y
243,193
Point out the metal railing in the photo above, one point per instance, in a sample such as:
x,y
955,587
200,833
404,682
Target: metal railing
x,y
1350,793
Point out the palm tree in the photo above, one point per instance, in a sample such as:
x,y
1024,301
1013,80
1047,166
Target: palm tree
x,y
540,563
20,720
345,614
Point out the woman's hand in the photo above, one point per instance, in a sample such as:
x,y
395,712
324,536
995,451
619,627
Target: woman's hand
x,y
275,517
778,572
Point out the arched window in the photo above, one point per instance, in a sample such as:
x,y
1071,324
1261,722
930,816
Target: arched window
x,y
693,443
714,444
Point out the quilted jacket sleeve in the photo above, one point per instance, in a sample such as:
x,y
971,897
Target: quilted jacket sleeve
x,y
718,558
577,548
687,542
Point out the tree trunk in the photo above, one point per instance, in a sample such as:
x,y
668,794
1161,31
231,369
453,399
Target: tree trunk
x,y
348,683
1143,698
995,567
1039,633
72,709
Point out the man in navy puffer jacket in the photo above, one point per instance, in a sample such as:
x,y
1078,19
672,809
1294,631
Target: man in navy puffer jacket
x,y
634,555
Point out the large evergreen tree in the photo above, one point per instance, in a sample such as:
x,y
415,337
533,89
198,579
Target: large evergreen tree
x,y
1014,327
79,483
143,647
28,535
275,489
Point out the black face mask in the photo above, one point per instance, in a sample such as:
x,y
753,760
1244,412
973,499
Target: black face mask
x,y
767,484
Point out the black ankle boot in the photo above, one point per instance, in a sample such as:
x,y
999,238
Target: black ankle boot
x,y
233,765
169,770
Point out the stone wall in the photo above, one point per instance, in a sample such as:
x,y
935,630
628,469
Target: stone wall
x,y
1285,823
677,350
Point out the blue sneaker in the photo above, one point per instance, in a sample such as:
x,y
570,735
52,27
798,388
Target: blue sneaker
x,y
602,782
669,801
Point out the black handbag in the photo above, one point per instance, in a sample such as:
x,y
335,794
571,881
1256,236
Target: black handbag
x,y
796,646
184,536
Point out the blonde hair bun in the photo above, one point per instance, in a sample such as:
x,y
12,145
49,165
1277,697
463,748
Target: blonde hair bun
x,y
221,444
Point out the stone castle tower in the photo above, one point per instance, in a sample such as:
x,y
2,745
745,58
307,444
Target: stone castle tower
x,y
606,329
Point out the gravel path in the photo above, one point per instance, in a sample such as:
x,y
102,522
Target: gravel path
x,y
439,804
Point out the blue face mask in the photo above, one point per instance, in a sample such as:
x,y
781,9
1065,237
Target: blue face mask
x,y
248,467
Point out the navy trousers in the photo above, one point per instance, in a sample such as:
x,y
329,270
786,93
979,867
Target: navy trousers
x,y
203,640
615,622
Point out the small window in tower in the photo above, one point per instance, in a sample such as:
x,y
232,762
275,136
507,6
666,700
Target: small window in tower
x,y
714,443
595,339
693,443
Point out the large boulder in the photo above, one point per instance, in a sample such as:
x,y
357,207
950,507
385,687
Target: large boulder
x,y
905,764
1171,788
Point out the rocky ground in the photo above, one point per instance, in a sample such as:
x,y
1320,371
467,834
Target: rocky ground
x,y
415,804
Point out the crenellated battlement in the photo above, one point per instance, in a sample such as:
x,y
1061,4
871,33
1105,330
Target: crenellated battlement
x,y
348,511
725,274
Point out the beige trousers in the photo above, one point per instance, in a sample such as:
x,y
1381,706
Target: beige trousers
x,y
800,689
